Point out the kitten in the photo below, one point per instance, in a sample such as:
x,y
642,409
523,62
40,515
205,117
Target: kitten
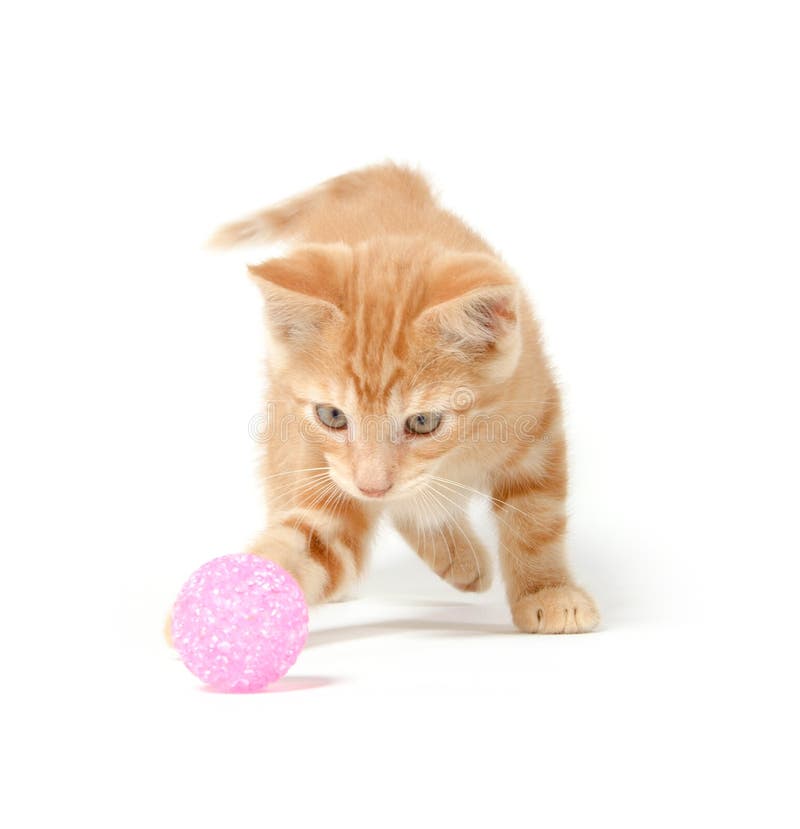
x,y
406,376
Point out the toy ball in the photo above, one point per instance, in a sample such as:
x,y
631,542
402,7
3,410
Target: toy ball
x,y
239,623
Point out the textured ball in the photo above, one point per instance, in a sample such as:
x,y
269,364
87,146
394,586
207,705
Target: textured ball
x,y
239,623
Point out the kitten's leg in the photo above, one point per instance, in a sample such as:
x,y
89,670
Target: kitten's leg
x,y
529,506
451,549
323,547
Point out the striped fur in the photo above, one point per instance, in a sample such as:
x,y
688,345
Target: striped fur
x,y
388,306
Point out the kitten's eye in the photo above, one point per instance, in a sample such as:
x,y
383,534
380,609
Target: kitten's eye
x,y
331,417
423,423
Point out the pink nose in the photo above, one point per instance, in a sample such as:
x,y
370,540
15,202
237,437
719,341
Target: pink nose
x,y
375,493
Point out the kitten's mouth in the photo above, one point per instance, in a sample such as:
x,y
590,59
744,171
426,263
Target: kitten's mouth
x,y
374,494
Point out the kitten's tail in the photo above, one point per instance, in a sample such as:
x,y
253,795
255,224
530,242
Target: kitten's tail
x,y
332,209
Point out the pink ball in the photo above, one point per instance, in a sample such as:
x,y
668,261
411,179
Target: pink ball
x,y
239,623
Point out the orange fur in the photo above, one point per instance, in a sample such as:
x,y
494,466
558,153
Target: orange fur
x,y
389,306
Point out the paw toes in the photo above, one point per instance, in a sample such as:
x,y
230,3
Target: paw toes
x,y
587,617
444,572
560,609
479,584
465,575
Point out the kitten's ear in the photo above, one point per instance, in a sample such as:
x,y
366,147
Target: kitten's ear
x,y
472,303
303,291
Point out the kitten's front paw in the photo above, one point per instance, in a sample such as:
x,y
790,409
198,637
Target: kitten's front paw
x,y
467,568
563,609
471,575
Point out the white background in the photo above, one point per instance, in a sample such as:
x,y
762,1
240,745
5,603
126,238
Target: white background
x,y
637,164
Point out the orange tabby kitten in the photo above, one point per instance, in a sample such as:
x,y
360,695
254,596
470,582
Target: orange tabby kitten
x,y
406,376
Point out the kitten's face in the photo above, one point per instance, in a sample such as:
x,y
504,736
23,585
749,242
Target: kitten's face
x,y
384,440
387,357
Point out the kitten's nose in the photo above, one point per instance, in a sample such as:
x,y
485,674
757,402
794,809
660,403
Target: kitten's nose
x,y
375,493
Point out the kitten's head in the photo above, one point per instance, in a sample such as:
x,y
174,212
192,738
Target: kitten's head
x,y
387,350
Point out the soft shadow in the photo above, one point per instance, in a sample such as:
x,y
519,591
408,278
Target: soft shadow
x,y
282,686
348,633
299,683
427,602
